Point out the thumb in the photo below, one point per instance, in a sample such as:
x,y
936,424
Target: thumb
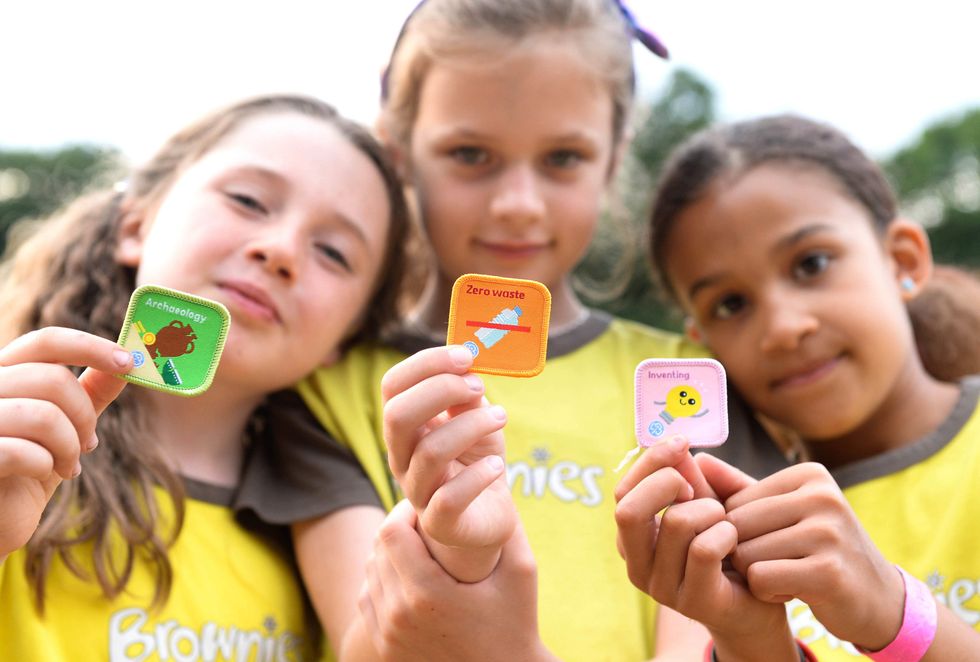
x,y
102,388
725,479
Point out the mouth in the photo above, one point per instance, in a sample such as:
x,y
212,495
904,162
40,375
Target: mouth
x,y
513,249
251,300
807,374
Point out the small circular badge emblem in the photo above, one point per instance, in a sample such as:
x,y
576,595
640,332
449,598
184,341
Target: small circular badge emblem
x,y
656,428
138,358
472,346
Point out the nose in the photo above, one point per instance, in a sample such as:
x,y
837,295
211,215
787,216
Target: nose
x,y
518,198
787,320
276,248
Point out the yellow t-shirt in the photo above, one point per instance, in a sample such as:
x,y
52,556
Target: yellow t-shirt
x,y
567,430
235,598
919,504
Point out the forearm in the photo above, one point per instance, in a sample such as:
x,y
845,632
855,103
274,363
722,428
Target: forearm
x,y
955,640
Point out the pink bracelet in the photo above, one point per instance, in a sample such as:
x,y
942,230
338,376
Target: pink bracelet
x,y
918,625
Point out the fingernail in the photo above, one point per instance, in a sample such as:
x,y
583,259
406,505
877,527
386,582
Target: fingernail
x,y
93,443
121,357
77,470
474,382
496,462
460,356
677,443
498,412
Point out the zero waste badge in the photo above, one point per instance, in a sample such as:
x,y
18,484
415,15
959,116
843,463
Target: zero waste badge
x,y
502,321
175,339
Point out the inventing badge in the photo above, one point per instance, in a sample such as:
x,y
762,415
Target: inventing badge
x,y
502,321
175,339
681,397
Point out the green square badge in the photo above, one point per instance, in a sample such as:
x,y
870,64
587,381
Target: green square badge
x,y
175,339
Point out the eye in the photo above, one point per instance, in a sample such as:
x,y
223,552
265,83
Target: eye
x,y
563,159
810,265
683,394
468,155
247,201
691,401
335,255
729,306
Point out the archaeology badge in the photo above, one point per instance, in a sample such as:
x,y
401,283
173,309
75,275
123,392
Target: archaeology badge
x,y
175,339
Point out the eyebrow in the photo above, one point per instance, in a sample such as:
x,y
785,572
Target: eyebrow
x,y
466,133
786,242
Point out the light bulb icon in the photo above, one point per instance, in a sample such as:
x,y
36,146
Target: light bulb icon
x,y
683,401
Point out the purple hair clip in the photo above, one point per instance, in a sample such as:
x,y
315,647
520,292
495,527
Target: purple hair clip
x,y
641,34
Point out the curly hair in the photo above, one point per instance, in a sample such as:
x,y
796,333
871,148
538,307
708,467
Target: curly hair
x,y
65,274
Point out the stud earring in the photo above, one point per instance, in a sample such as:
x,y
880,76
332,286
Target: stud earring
x,y
907,284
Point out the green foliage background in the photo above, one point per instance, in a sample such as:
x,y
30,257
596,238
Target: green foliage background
x,y
937,179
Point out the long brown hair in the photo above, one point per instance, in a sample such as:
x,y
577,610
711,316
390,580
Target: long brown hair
x,y
66,274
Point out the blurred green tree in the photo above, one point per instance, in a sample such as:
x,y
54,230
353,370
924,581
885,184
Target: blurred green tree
x,y
615,275
937,178
36,184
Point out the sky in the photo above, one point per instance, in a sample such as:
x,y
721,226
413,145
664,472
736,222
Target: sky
x,y
127,74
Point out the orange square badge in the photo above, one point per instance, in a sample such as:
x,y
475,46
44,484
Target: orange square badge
x,y
502,321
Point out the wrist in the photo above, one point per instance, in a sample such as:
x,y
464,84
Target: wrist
x,y
765,643
918,627
802,653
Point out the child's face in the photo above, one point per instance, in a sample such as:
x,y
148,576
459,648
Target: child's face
x,y
509,162
789,285
284,222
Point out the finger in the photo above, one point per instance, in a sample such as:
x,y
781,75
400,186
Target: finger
x,y
768,514
430,362
56,384
20,457
452,499
670,453
795,542
724,479
636,521
782,580
102,388
517,570
781,482
429,464
402,545
67,347
703,575
406,414
44,424
678,528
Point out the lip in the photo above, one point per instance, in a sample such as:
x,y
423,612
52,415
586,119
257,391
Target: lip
x,y
806,374
251,300
513,249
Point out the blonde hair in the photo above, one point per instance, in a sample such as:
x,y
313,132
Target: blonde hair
x,y
66,275
448,29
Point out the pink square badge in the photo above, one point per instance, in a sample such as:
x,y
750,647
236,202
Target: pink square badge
x,y
681,396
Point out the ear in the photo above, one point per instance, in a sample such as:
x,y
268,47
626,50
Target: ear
x,y
395,151
692,331
908,246
130,238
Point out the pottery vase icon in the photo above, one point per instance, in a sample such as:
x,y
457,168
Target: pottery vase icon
x,y
175,339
